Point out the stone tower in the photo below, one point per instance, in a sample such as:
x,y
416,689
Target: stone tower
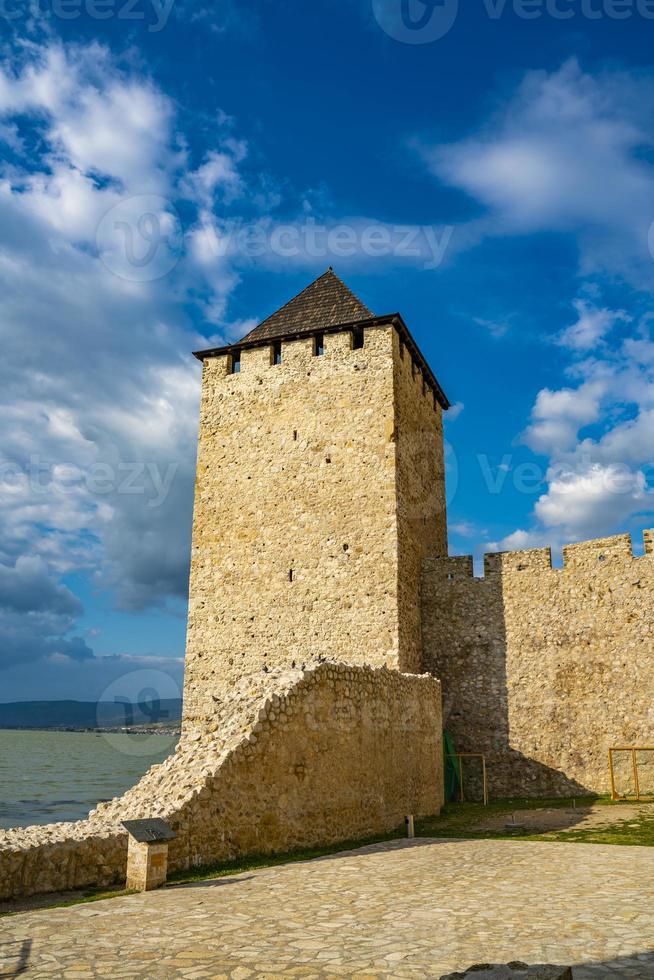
x,y
320,489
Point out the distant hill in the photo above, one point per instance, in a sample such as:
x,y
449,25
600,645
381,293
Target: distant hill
x,y
87,714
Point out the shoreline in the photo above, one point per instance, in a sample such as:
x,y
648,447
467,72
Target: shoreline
x,y
96,731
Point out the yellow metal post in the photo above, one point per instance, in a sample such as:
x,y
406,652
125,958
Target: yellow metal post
x,y
634,762
634,749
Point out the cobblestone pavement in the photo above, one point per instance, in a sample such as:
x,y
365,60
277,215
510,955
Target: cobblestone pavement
x,y
405,909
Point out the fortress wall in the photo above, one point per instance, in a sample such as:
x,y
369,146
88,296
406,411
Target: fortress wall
x,y
292,759
543,669
421,513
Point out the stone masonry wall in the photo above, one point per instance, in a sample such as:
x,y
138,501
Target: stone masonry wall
x,y
421,510
296,540
544,669
291,759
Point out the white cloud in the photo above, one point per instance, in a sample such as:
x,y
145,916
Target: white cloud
x,y
598,480
218,176
98,389
580,502
465,529
519,540
558,416
454,411
591,327
567,152
496,328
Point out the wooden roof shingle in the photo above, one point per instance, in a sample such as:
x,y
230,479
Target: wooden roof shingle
x,y
326,302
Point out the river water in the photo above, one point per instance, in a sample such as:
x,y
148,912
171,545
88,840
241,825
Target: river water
x,y
52,776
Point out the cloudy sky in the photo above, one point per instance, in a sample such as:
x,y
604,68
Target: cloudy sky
x,y
173,170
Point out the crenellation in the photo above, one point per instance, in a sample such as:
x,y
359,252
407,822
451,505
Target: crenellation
x,y
215,369
338,344
589,555
296,354
255,360
533,559
454,568
492,564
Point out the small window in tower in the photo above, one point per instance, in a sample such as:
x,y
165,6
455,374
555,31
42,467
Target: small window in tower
x,y
319,345
357,338
291,574
276,352
235,363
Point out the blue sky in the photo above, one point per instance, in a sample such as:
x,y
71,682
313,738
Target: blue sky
x,y
173,172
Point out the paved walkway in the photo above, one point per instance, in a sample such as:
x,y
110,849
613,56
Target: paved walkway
x,y
405,909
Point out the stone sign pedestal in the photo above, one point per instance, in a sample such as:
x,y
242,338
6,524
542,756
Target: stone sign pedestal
x,y
147,854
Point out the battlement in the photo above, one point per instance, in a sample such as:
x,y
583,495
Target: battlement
x,y
299,352
587,556
313,350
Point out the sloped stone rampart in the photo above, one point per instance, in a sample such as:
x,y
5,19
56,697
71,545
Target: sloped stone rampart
x,y
292,759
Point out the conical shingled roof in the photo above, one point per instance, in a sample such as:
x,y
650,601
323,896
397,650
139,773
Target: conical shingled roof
x,y
326,302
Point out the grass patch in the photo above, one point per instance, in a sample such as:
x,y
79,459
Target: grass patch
x,y
460,819
638,831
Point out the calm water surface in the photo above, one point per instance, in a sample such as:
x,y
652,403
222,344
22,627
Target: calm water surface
x,y
51,776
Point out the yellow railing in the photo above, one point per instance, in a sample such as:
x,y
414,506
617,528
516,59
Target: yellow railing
x,y
636,791
472,755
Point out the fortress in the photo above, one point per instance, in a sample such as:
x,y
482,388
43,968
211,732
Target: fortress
x,y
330,636
321,531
